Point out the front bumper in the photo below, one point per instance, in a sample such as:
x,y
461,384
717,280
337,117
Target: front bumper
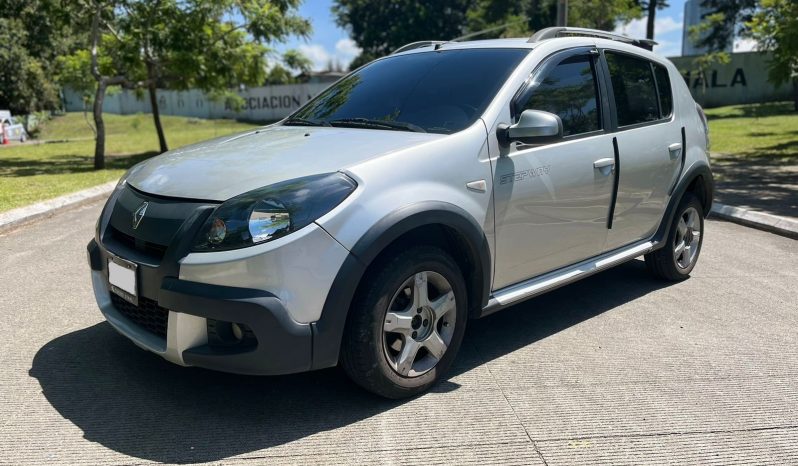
x,y
275,291
283,345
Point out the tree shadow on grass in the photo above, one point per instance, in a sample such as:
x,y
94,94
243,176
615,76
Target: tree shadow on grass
x,y
135,403
757,111
65,164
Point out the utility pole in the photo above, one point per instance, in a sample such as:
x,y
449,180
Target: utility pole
x,y
562,12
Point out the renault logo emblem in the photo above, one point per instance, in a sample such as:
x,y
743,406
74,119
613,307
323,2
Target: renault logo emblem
x,y
139,214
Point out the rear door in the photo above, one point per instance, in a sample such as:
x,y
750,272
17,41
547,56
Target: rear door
x,y
649,141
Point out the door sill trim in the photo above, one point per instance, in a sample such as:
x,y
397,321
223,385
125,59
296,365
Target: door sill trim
x,y
522,291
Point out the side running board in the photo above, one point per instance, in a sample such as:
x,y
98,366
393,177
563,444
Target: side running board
x,y
522,291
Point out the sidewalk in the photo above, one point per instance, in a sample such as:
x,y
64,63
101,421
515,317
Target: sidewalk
x,y
757,190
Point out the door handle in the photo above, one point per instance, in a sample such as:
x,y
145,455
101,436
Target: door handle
x,y
601,163
675,149
605,166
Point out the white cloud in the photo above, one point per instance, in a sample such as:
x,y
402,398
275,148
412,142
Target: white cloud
x,y
744,45
662,25
345,51
317,54
668,48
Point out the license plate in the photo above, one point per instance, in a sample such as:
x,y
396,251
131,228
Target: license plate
x,y
122,279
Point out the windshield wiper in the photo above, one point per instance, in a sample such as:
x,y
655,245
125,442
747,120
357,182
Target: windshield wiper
x,y
378,124
304,122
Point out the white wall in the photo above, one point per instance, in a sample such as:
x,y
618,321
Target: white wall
x,y
260,103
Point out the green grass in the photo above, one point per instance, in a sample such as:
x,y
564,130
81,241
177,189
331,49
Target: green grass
x,y
759,130
35,172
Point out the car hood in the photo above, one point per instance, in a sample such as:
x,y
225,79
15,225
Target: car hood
x,y
221,168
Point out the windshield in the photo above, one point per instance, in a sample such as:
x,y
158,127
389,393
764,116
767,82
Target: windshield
x,y
435,92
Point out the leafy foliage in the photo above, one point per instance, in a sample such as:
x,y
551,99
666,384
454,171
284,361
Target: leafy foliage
x,y
212,45
524,17
380,27
775,28
725,20
773,24
32,34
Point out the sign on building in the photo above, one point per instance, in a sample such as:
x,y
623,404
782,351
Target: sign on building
x,y
744,80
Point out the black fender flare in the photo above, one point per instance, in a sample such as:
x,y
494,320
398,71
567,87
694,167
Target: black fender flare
x,y
691,175
328,330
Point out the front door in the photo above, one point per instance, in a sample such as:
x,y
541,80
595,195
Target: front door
x,y
552,201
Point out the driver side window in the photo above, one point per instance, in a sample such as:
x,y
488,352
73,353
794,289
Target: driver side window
x,y
570,91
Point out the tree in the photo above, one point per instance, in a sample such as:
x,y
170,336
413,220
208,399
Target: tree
x,y
723,22
206,44
212,45
774,26
651,7
32,34
381,27
522,18
24,84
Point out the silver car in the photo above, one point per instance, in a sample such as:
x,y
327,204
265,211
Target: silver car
x,y
418,193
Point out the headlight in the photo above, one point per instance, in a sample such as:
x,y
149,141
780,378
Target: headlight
x,y
268,213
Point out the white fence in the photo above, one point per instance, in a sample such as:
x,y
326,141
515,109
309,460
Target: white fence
x,y
260,103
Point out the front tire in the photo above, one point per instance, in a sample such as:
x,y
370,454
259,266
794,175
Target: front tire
x,y
406,324
678,257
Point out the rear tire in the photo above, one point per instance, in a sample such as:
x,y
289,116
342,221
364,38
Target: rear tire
x,y
406,323
678,257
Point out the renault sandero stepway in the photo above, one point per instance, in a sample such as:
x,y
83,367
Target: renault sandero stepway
x,y
418,193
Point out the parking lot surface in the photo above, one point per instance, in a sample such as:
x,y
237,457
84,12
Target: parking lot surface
x,y
618,368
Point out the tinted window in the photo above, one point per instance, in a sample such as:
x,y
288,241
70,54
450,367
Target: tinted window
x,y
441,92
634,90
569,90
664,89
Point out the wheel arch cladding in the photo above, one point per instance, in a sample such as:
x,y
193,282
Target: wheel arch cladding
x,y
698,181
436,223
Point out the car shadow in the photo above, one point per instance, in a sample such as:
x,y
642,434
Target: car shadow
x,y
135,403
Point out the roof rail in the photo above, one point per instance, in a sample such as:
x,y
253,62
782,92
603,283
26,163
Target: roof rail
x,y
553,32
418,45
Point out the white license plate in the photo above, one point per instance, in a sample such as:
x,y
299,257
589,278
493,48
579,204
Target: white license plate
x,y
122,279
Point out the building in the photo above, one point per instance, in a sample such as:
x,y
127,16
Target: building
x,y
693,15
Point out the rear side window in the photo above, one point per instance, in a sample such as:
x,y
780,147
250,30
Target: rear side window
x,y
664,90
569,90
634,89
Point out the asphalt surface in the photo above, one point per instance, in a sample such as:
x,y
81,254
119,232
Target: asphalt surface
x,y
618,368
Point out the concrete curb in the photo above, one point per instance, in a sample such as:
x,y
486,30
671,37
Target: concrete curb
x,y
760,220
20,216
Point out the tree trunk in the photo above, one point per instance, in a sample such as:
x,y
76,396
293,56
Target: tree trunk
x,y
652,15
156,116
99,125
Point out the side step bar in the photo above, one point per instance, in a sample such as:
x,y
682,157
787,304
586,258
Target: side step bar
x,y
533,287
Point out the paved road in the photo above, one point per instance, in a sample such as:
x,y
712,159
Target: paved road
x,y
616,369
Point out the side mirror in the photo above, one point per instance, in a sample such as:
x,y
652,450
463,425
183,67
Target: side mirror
x,y
533,127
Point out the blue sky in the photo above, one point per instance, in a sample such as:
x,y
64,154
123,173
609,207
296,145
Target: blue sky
x,y
330,42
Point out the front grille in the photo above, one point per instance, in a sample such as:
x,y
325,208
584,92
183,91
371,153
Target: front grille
x,y
153,250
148,314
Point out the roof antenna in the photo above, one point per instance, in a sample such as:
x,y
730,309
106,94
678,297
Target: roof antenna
x,y
485,31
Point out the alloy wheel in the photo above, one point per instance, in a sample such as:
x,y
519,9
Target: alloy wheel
x,y
687,239
419,324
